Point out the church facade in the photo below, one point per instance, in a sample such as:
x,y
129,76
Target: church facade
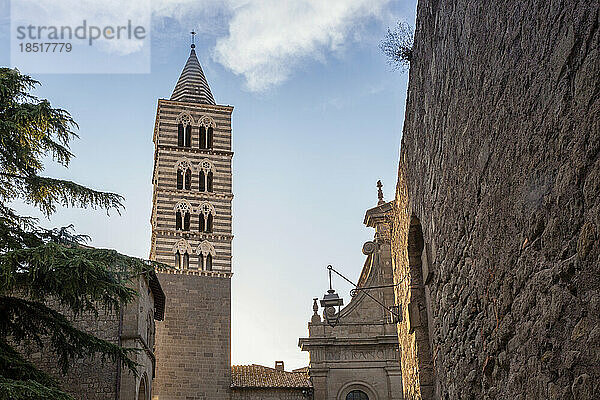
x,y
191,232
358,357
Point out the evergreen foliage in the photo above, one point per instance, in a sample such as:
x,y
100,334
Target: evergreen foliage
x,y
38,265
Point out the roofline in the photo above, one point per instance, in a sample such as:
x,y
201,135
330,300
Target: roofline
x,y
382,208
198,105
158,294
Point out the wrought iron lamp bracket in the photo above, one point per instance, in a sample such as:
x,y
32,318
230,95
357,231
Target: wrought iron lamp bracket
x,y
394,310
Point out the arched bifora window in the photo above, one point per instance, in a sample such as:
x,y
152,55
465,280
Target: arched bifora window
x,y
182,250
357,395
180,135
180,179
182,260
184,174
188,179
207,215
206,130
184,179
206,252
207,173
183,210
184,130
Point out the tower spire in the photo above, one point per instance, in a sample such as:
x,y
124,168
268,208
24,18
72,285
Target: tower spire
x,y
192,86
380,193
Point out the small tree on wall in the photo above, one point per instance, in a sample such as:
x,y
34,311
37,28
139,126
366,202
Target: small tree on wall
x,y
397,46
38,264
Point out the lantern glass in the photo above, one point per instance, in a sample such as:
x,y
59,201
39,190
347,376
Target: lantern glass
x,y
329,303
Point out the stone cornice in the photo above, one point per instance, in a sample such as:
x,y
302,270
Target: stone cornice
x,y
345,342
198,106
180,193
178,149
196,272
192,234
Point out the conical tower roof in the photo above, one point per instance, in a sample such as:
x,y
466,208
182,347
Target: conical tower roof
x,y
192,86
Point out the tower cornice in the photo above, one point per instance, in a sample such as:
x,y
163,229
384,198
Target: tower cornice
x,y
195,150
189,234
196,195
216,107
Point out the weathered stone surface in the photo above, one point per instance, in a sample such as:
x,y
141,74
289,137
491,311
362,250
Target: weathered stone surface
x,y
193,343
92,378
499,182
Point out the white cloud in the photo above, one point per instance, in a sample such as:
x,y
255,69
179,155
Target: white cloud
x,y
267,38
262,40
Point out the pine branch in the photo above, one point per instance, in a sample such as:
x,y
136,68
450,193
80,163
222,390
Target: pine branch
x,y
29,390
17,232
79,278
14,366
31,322
46,193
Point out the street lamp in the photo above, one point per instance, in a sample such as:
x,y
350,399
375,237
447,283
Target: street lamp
x,y
329,302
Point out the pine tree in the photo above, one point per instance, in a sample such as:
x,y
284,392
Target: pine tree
x,y
38,264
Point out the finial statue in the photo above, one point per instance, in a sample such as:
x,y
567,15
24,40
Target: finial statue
x,y
316,318
193,37
380,193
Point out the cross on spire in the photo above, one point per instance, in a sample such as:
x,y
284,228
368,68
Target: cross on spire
x,y
380,193
193,38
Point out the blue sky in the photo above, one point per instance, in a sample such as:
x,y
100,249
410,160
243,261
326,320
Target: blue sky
x,y
317,121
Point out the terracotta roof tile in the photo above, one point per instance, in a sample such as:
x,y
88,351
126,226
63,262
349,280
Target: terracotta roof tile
x,y
258,376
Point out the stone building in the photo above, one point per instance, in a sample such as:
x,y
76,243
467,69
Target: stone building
x,y
132,327
256,382
191,231
496,231
357,359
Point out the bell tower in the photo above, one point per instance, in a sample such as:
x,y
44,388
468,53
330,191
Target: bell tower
x,y
191,232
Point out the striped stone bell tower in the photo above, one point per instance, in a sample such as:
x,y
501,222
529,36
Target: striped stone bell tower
x,y
191,232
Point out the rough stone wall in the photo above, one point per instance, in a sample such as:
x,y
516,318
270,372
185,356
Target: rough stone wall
x,y
88,378
193,343
138,331
500,169
268,394
92,378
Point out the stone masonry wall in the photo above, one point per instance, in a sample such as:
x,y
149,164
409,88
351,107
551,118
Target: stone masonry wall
x,y
498,202
193,343
93,379
88,378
